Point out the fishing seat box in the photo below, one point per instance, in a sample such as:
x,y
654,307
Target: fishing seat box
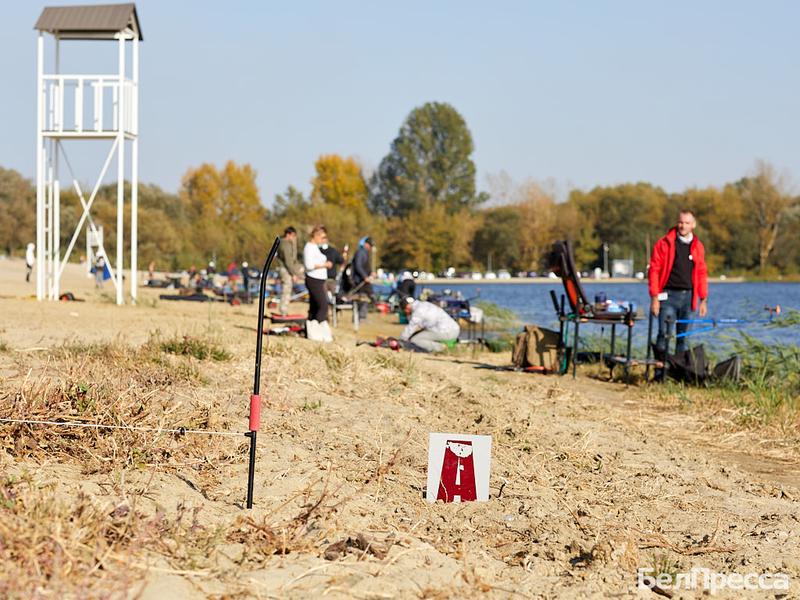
x,y
536,347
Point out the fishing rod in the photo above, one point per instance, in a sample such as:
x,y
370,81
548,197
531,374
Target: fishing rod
x,y
713,323
255,398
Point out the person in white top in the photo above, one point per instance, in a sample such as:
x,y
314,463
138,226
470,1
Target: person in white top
x,y
428,325
30,258
317,265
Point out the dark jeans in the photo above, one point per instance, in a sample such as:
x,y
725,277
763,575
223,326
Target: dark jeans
x,y
363,307
317,299
677,306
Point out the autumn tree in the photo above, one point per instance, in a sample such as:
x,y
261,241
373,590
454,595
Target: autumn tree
x,y
537,231
768,202
719,214
429,164
225,212
17,212
344,226
339,182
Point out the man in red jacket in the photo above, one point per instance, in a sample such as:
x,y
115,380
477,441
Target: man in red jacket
x,y
678,279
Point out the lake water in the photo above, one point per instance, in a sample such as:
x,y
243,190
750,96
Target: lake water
x,y
532,304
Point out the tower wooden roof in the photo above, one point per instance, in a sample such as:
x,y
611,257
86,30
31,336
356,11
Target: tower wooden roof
x,y
89,22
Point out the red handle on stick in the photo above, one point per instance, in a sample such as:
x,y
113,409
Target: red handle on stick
x,y
255,411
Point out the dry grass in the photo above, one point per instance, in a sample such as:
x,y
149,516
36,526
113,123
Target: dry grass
x,y
114,385
90,548
345,476
86,548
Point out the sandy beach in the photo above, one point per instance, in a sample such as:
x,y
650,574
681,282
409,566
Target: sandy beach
x,y
591,480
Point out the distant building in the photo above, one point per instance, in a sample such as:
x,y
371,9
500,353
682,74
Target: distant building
x,y
622,267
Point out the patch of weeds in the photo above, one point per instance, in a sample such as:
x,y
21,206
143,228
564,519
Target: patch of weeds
x,y
402,362
147,302
312,405
494,379
664,569
189,372
677,390
408,371
385,360
496,317
768,390
87,349
335,359
89,532
276,347
77,394
495,311
4,347
502,343
194,347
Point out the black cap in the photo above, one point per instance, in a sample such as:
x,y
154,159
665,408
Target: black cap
x,y
369,241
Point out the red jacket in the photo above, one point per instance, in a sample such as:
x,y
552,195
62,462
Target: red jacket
x,y
661,266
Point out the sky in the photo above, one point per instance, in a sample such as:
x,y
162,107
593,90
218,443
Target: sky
x,y
680,93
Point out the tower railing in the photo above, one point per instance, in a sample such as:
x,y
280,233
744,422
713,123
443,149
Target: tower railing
x,y
88,106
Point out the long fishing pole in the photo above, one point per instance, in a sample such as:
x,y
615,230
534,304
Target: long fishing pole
x,y
255,398
712,323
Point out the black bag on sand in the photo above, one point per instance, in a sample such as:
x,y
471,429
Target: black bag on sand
x,y
728,370
690,365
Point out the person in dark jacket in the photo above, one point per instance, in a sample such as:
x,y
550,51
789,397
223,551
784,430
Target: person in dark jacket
x,y
406,287
362,274
289,267
336,259
678,280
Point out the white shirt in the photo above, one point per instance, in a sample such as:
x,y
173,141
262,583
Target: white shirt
x,y
30,255
428,316
313,256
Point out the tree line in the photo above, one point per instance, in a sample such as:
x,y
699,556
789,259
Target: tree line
x,y
422,207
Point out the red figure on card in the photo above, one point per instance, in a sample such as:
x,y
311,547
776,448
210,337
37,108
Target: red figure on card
x,y
457,483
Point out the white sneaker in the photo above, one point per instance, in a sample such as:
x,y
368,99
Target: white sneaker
x,y
313,331
325,329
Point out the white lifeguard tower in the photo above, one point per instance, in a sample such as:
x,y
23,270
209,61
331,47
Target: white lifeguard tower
x,y
90,108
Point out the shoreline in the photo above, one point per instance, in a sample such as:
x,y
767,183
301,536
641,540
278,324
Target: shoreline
x,y
548,280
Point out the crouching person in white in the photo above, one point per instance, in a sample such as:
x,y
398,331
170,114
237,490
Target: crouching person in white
x,y
317,266
428,326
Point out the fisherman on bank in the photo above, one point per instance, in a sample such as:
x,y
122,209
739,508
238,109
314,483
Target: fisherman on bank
x,y
289,267
362,274
428,325
678,280
337,259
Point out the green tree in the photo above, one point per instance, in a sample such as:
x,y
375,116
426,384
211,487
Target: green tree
x,y
430,239
498,237
627,217
429,164
578,225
